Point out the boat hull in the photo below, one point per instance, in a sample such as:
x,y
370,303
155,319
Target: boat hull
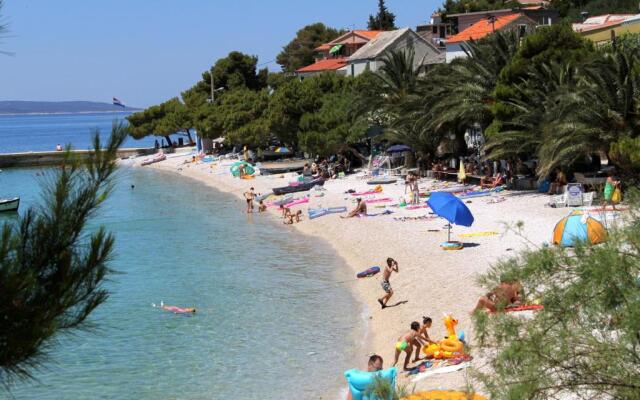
x,y
9,205
300,188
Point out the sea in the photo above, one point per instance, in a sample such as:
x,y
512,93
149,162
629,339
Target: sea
x,y
42,132
274,318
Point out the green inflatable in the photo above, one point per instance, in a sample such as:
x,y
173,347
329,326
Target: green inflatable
x,y
248,169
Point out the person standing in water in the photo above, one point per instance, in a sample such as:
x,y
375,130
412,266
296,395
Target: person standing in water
x,y
249,196
392,266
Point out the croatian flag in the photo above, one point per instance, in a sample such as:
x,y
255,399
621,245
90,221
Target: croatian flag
x,y
117,102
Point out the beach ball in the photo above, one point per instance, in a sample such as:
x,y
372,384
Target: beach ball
x,y
578,227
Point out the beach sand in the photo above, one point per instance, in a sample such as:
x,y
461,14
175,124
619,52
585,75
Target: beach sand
x,y
431,281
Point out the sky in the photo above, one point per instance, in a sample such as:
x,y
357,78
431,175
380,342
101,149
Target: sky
x,y
147,51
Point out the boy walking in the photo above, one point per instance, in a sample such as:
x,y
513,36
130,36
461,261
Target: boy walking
x,y
392,266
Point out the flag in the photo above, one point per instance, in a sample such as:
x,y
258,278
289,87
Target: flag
x,y
117,102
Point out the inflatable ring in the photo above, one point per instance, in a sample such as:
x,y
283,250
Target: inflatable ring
x,y
453,346
451,246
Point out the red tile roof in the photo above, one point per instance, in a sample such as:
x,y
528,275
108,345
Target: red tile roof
x,y
330,64
483,28
323,47
367,34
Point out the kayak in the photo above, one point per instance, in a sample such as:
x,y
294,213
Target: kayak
x,y
300,188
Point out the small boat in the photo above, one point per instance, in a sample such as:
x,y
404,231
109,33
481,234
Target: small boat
x,y
300,188
9,204
157,158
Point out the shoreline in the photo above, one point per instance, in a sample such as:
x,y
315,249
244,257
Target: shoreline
x,y
431,281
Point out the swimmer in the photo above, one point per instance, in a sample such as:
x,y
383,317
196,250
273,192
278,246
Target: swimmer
x,y
174,309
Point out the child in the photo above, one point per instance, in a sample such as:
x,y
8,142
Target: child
x,y
287,217
298,216
423,336
261,206
392,266
406,343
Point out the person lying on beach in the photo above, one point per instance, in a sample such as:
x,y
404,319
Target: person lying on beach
x,y
504,295
261,206
374,365
423,336
392,266
406,343
361,209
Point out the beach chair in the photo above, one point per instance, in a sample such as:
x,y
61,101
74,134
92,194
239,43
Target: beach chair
x,y
558,200
587,198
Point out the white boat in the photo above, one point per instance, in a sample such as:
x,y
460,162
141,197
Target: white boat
x,y
9,204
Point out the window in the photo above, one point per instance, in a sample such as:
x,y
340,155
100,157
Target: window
x,y
435,29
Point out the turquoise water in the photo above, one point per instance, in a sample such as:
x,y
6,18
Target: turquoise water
x,y
271,322
19,133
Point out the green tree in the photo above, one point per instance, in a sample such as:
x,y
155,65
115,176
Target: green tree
x,y
51,266
585,342
384,20
463,6
161,120
299,52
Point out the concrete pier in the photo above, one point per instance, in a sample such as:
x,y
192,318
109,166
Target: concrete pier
x,y
45,158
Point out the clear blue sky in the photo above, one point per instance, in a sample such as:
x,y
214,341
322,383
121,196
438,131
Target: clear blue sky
x,y
146,51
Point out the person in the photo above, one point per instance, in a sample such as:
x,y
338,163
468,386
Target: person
x,y
249,196
375,364
415,188
487,180
261,206
298,215
392,266
287,217
306,170
361,209
406,343
609,188
58,147
133,187
558,183
241,171
176,310
506,294
423,336
315,172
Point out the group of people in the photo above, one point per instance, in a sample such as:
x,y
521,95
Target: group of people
x,y
412,341
250,196
288,218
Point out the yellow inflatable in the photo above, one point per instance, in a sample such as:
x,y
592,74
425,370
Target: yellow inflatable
x,y
444,395
450,346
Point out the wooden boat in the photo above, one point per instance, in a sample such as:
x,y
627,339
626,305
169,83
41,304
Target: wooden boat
x,y
300,188
7,205
157,158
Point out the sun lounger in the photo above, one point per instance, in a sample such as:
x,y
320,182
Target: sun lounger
x,y
558,200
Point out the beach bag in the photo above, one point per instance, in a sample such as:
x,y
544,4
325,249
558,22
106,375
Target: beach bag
x,y
617,196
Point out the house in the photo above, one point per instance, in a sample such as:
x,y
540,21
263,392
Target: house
x,y
483,28
537,11
605,28
370,56
333,56
436,31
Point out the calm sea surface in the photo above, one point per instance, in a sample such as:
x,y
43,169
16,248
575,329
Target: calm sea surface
x,y
271,322
19,133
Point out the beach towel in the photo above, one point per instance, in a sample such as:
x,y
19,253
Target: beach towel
x,y
416,206
384,200
297,202
477,234
386,212
440,370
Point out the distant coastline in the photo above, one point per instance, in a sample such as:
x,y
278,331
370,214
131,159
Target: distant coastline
x,y
20,114
20,107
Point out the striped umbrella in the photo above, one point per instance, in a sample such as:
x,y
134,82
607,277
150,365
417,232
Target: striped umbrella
x,y
578,227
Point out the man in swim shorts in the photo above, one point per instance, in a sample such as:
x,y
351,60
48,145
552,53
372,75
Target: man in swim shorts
x,y
407,343
504,295
249,196
392,266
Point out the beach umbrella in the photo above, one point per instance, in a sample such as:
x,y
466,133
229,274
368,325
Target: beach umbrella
x,y
235,168
281,150
461,174
451,208
398,148
578,227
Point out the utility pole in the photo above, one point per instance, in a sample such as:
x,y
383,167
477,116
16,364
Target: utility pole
x,y
212,87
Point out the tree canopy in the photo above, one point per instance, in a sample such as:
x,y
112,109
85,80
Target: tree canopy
x,y
384,20
299,52
51,266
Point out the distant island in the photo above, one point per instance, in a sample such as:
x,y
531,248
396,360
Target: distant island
x,y
59,107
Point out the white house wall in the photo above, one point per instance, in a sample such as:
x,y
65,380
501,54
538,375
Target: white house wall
x,y
454,50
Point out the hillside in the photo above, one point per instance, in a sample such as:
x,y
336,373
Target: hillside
x,y
58,107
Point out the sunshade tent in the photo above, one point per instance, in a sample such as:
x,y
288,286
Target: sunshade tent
x,y
281,150
398,148
451,208
235,168
578,227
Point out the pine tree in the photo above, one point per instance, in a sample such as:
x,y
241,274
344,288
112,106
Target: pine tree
x,y
51,265
384,20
